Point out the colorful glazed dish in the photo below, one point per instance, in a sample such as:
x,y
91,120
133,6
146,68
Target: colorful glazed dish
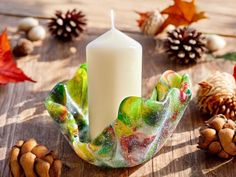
x,y
140,130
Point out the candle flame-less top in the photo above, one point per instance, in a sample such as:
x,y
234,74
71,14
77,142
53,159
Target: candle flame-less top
x,y
114,39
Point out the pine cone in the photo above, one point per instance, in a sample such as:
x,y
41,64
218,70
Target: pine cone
x,y
218,136
67,26
185,45
150,22
216,95
29,159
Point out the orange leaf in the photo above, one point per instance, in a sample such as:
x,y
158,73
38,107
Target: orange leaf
x,y
181,13
142,17
9,72
177,20
188,9
199,16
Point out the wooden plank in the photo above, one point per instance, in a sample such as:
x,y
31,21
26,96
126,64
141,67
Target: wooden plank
x,y
22,113
221,13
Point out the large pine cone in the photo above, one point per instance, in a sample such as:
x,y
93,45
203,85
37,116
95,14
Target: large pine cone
x,y
216,95
29,159
185,45
218,136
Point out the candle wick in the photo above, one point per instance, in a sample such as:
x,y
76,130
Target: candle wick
x,y
112,19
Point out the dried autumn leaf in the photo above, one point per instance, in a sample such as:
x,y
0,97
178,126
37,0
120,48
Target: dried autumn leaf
x,y
9,72
234,74
142,17
181,13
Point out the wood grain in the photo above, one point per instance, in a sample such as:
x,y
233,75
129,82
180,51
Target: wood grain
x,y
22,113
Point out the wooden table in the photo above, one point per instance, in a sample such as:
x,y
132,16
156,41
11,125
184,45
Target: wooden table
x,y
22,113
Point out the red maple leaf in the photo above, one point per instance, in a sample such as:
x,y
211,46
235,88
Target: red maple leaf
x,y
234,74
9,72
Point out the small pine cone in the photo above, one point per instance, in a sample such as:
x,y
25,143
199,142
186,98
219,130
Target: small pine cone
x,y
218,136
217,95
28,158
67,26
185,45
150,22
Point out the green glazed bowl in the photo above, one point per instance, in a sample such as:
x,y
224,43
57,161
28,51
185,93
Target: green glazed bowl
x,y
140,130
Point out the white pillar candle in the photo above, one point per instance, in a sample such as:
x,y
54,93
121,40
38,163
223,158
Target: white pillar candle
x,y
114,72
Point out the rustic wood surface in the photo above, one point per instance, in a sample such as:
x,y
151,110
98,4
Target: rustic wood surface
x,y
23,116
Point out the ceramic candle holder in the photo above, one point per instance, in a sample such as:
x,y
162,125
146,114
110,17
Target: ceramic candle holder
x,y
140,130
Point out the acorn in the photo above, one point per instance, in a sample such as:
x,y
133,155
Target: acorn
x,y
215,42
27,23
23,47
36,33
